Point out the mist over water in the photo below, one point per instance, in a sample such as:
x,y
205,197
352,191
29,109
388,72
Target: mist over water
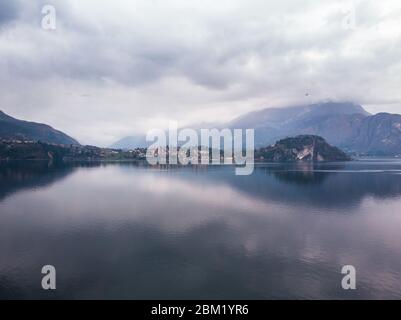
x,y
136,232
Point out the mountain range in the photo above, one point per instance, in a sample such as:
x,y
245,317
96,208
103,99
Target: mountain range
x,y
343,124
346,125
14,129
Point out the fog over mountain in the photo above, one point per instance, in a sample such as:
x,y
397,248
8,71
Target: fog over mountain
x,y
115,69
344,124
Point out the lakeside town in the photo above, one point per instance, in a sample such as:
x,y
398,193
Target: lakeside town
x,y
37,150
299,148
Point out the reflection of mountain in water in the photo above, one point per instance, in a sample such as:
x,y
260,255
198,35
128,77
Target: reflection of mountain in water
x,y
17,176
302,174
22,175
326,185
321,185
133,231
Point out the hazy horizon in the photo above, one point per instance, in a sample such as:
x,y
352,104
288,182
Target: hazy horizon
x,y
208,124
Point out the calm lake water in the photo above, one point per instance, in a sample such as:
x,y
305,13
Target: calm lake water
x,y
133,232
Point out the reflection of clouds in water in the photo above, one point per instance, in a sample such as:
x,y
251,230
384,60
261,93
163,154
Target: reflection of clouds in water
x,y
158,198
18,176
208,229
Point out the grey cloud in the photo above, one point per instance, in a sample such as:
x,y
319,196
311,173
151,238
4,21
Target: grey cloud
x,y
183,60
128,57
8,11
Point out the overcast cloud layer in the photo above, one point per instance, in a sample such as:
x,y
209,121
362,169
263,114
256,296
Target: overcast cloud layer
x,y
115,68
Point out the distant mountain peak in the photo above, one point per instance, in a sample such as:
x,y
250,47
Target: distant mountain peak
x,y
345,107
284,114
131,142
343,124
15,129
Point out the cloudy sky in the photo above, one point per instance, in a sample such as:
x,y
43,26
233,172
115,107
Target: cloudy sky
x,y
116,68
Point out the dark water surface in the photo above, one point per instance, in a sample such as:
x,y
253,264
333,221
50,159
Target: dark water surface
x,y
132,232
